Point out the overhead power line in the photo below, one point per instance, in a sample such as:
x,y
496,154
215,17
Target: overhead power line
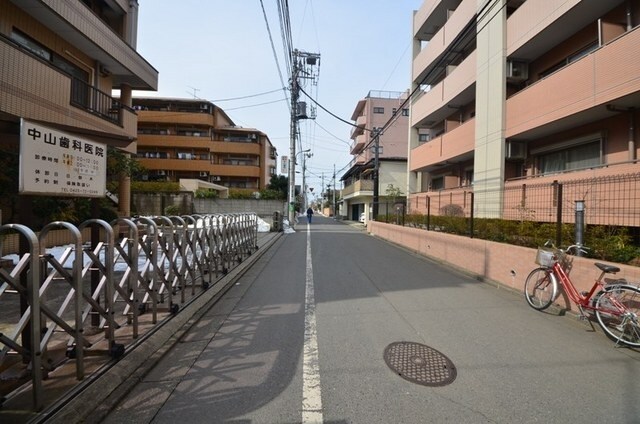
x,y
258,104
479,16
328,111
455,45
247,96
275,55
285,32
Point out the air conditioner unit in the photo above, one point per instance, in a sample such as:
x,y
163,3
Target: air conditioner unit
x,y
203,173
517,71
516,150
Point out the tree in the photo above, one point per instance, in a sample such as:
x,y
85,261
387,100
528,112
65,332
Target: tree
x,y
393,192
280,184
119,163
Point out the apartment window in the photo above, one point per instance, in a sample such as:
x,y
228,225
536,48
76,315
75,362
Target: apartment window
x,y
394,110
423,138
152,155
44,53
241,160
29,44
570,59
110,16
378,110
583,52
405,112
79,77
467,180
437,183
569,157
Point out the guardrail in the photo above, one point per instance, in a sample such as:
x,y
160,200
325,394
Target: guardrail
x,y
90,297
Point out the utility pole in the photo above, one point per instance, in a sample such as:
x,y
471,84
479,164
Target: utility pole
x,y
304,184
292,145
304,67
376,168
322,195
335,206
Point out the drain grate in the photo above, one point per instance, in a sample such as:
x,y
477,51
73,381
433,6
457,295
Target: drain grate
x,y
420,364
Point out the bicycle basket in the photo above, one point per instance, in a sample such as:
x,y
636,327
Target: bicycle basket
x,y
546,257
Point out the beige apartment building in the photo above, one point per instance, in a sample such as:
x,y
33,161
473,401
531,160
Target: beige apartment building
x,y
195,139
59,62
378,110
510,94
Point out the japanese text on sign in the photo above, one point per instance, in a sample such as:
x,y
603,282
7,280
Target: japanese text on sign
x,y
55,163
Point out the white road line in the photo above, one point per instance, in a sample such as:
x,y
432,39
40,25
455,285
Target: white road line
x,y
311,396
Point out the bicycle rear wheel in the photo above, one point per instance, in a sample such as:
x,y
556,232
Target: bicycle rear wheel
x,y
618,313
540,288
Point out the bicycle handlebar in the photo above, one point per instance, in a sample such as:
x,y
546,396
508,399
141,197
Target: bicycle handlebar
x,y
574,247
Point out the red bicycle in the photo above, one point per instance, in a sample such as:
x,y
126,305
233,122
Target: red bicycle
x,y
615,304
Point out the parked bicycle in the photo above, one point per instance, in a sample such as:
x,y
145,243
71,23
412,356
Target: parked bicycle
x,y
615,303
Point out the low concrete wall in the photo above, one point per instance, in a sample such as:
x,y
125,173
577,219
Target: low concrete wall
x,y
156,204
505,264
263,208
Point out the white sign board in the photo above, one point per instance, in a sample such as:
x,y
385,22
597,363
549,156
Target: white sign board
x,y
284,164
55,163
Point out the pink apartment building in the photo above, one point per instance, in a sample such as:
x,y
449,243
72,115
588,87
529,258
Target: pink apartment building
x,y
516,93
372,113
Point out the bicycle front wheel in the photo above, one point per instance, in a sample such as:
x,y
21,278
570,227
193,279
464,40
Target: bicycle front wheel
x,y
540,288
618,313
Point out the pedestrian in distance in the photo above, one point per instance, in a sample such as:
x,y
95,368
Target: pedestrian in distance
x,y
309,215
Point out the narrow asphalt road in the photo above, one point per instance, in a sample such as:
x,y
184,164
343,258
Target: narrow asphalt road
x,y
301,338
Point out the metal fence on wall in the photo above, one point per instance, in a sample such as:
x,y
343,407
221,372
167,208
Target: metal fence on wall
x,y
61,303
607,200
611,200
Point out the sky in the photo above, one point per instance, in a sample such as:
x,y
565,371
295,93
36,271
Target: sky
x,y
220,49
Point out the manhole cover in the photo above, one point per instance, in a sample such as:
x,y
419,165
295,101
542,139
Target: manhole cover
x,y
419,364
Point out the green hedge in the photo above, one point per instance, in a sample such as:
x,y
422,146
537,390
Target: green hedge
x,y
605,242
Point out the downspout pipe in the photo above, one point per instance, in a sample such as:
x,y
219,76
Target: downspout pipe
x,y
632,133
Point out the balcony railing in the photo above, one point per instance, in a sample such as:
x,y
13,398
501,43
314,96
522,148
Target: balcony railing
x,y
358,186
87,97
